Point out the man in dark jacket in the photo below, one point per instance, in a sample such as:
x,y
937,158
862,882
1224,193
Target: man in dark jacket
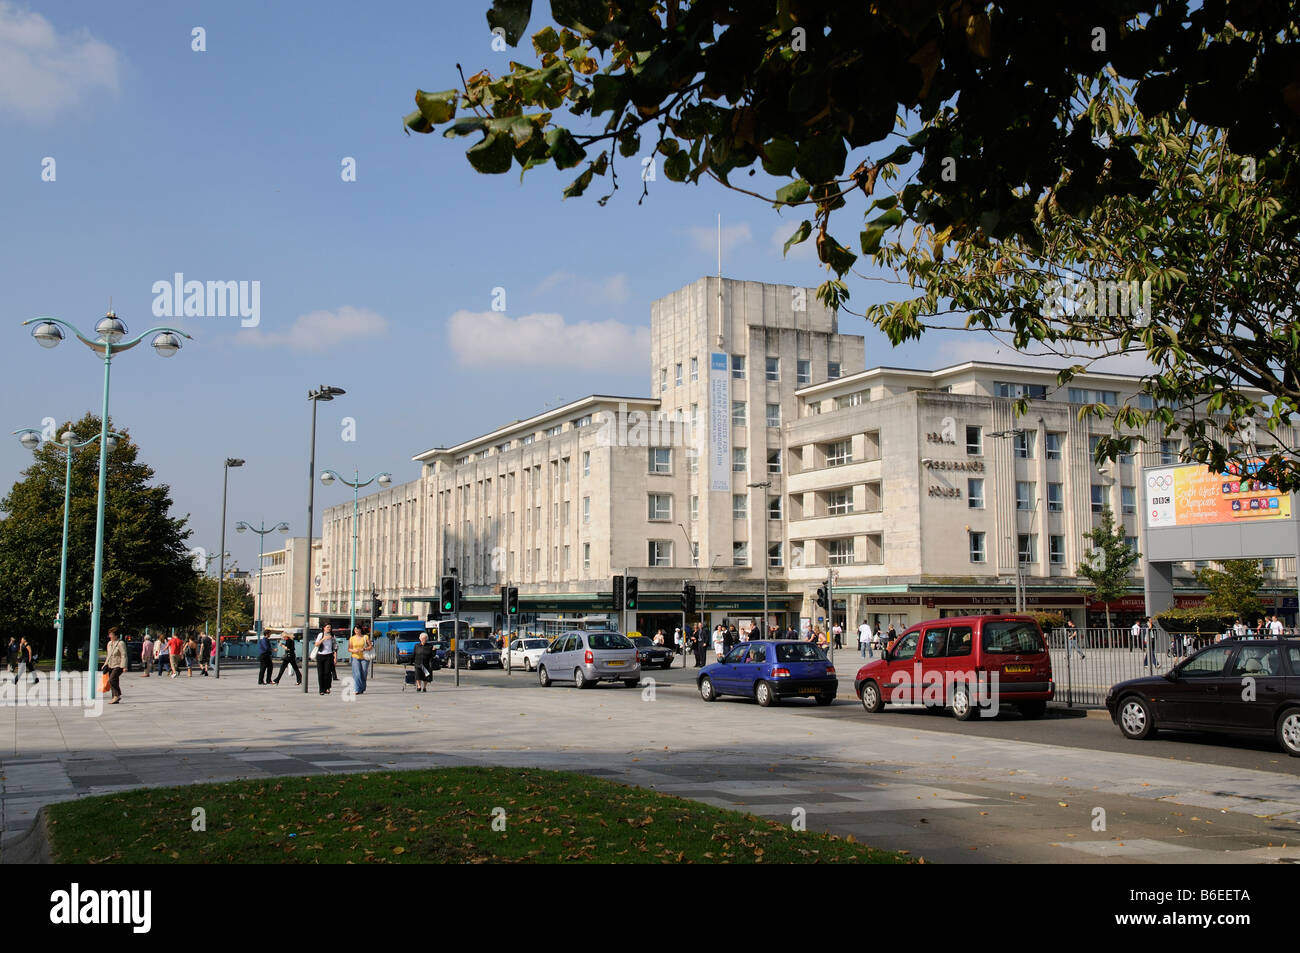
x,y
290,658
264,660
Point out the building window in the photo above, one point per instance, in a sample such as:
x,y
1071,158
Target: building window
x,y
1132,543
774,369
1024,443
738,413
774,508
1098,498
974,441
695,508
1024,495
1056,550
839,552
529,439
583,421
803,372
695,554
739,462
1168,452
586,557
975,493
695,368
737,367
586,509
976,547
695,420
774,560
661,460
554,431
1055,497
1128,500
1026,543
740,554
661,507
739,506
839,502
692,460
774,415
586,463
1085,395
832,370
1053,446
1033,391
840,453
660,553
1094,441
677,372
856,399
663,379
774,461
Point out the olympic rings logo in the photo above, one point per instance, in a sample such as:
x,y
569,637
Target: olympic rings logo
x,y
1160,482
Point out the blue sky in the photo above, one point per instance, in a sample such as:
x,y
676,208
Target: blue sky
x,y
225,165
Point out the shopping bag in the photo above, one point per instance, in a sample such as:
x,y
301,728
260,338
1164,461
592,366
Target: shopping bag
x,y
105,684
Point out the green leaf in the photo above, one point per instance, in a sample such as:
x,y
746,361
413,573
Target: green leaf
x,y
579,185
801,234
512,16
437,107
565,151
546,40
871,239
463,127
779,157
417,122
493,155
796,191
678,166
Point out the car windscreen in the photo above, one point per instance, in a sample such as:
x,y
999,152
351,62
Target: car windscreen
x,y
1012,638
478,645
799,652
535,644
643,641
612,640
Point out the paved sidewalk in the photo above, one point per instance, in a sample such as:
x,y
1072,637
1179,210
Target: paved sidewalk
x,y
947,798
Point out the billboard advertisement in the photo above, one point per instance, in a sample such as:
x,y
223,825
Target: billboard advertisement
x,y
1191,495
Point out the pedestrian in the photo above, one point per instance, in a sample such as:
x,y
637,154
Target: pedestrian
x,y
1148,638
264,663
205,652
838,633
26,658
890,635
11,655
659,637
191,655
875,643
325,659
146,655
115,664
174,653
1275,628
1072,640
719,642
422,659
864,640
1135,635
290,658
358,646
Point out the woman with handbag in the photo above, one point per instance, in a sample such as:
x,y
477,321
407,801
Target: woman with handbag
x,y
422,659
115,664
358,647
325,659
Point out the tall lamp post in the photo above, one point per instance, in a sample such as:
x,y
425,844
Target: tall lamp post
x,y
326,478
221,575
324,392
766,485
110,332
283,530
31,439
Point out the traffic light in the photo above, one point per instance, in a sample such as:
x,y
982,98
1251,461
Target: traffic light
x,y
821,597
618,592
512,601
629,592
377,606
688,598
450,601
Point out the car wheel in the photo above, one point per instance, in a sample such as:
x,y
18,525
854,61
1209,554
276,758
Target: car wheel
x,y
631,682
1135,719
579,680
764,694
962,709
542,677
706,689
1288,732
1032,710
871,698
825,699
528,664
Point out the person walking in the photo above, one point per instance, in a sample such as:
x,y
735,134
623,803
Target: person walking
x,y
1072,640
864,640
205,652
290,658
838,633
422,659
26,658
146,655
719,642
115,664
358,646
191,655
890,635
11,655
325,659
1148,641
264,663
174,653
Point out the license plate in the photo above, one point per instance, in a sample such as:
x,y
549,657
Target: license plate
x,y
1017,669
613,663
809,691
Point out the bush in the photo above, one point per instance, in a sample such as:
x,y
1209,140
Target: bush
x,y
1200,620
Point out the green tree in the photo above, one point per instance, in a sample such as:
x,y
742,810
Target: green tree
x,y
1000,122
1234,588
1108,565
147,574
237,605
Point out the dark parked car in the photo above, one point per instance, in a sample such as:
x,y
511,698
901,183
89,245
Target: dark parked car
x,y
649,654
1247,688
478,653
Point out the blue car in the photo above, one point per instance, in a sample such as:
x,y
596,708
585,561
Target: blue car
x,y
769,671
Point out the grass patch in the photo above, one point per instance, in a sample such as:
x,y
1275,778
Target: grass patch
x,y
428,817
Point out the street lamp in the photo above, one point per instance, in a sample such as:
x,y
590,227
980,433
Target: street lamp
x,y
766,485
31,439
110,332
221,574
1021,585
326,478
324,392
283,530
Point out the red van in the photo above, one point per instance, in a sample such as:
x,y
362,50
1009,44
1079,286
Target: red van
x,y
966,663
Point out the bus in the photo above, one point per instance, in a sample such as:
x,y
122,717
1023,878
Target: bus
x,y
405,634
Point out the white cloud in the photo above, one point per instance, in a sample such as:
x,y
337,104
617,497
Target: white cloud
x,y
600,292
491,338
42,72
705,239
320,331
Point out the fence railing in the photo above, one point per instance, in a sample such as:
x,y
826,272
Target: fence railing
x,y
1087,662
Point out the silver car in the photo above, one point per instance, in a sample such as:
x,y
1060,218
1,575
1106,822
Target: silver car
x,y
586,658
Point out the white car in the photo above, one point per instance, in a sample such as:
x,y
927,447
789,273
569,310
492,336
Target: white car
x,y
524,653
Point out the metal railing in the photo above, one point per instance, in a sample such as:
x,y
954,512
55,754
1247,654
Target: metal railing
x,y
1086,666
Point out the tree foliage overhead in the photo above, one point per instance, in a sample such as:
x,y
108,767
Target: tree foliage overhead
x,y
148,578
1000,126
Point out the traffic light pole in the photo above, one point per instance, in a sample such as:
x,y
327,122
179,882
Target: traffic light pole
x,y
830,614
455,625
505,606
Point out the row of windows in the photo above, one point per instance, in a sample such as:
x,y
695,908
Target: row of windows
x,y
1027,547
1025,445
1025,498
738,414
771,371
